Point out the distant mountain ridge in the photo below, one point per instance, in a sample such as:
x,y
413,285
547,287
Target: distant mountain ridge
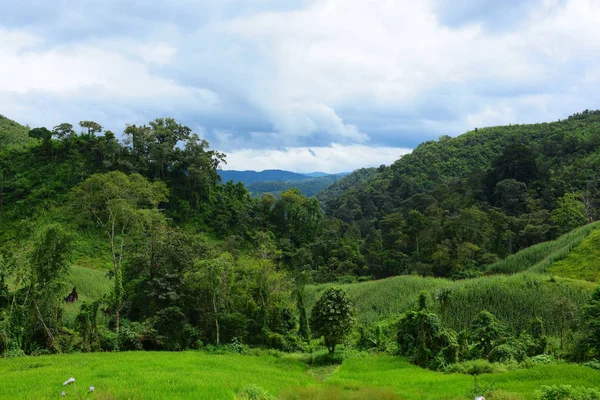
x,y
275,181
248,177
271,175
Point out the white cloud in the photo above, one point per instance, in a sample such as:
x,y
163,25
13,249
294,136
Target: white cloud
x,y
93,70
317,71
333,159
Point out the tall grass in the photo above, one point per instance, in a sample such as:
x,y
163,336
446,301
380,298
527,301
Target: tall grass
x,y
541,256
515,299
378,300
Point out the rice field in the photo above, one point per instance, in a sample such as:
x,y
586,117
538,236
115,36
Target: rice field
x,y
200,375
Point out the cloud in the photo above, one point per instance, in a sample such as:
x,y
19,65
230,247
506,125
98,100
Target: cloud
x,y
275,75
333,159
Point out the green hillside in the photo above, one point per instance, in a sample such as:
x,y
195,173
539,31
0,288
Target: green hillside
x,y
12,133
541,257
455,205
583,262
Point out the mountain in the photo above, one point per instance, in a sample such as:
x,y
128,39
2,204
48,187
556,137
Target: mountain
x,y
321,174
248,177
275,181
308,186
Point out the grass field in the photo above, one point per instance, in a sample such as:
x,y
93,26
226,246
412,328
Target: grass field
x,y
583,262
199,375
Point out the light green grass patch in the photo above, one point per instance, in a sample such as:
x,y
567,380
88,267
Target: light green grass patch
x,y
581,263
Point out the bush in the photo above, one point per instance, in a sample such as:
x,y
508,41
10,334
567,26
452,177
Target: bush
x,y
475,367
507,353
422,338
128,339
567,392
543,359
487,333
108,340
372,339
595,364
254,392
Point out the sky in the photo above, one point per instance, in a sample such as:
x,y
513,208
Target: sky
x,y
303,85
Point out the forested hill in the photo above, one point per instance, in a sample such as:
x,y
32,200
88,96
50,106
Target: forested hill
x,y
456,204
344,183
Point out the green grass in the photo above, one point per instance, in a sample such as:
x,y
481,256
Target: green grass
x,y
540,257
515,299
91,284
194,375
581,263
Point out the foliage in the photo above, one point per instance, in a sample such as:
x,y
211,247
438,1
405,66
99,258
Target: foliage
x,y
567,392
423,339
332,317
591,313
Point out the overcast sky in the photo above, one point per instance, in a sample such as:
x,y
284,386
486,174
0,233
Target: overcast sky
x,y
304,85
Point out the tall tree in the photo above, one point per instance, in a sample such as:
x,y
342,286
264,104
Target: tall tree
x,y
119,204
91,126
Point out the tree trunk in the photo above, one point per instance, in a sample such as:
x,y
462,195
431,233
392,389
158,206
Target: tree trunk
x,y
216,320
117,309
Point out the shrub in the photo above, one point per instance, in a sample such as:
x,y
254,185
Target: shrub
x,y
595,364
543,359
254,392
372,338
422,338
567,392
506,353
487,333
475,367
108,340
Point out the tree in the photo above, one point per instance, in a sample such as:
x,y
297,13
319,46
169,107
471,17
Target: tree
x,y
63,130
40,133
91,126
50,263
511,195
215,278
332,317
569,214
119,204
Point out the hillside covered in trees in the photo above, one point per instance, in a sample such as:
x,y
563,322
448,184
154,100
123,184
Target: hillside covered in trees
x,y
168,257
